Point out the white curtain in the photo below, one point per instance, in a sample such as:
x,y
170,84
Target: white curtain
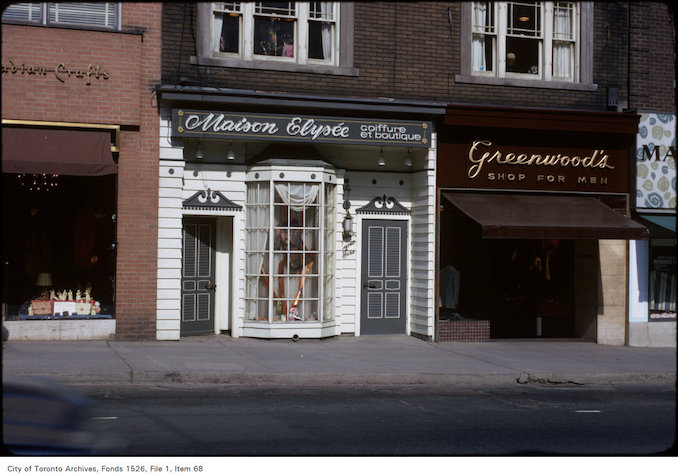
x,y
478,47
258,225
296,196
218,25
562,50
326,11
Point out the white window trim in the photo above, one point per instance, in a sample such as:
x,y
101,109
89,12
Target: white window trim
x,y
583,70
342,47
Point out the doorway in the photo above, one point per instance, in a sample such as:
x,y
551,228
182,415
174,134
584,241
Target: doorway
x,y
384,277
198,283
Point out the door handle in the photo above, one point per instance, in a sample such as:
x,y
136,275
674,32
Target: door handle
x,y
367,285
210,287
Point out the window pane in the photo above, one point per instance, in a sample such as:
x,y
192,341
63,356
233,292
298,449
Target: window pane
x,y
522,55
321,31
524,19
275,8
482,48
227,31
563,18
256,310
483,17
274,37
90,14
281,215
22,11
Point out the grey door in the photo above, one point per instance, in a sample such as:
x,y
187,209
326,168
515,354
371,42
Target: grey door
x,y
384,276
198,276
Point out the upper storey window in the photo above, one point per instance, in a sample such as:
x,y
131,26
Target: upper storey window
x,y
527,41
97,14
292,36
300,32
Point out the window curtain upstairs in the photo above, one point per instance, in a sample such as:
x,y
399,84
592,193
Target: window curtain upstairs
x,y
562,50
478,46
326,11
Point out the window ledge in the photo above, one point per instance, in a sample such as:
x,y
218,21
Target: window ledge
x,y
493,81
63,26
274,66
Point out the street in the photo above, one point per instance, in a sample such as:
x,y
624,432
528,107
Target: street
x,y
406,420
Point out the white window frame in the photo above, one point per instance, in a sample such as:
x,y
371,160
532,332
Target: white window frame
x,y
341,62
247,50
45,8
581,63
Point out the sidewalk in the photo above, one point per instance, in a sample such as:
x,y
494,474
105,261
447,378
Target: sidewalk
x,y
341,360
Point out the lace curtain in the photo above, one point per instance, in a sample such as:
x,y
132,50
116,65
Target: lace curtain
x,y
326,10
218,25
562,51
296,195
478,46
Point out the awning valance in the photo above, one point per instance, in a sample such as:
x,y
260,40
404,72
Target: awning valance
x,y
57,151
515,216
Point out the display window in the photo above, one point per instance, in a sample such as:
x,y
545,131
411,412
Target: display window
x,y
662,284
513,283
290,251
58,245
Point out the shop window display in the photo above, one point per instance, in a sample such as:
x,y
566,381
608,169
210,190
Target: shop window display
x,y
289,252
58,246
510,282
662,282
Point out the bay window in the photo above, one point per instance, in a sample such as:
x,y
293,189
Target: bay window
x,y
289,248
512,42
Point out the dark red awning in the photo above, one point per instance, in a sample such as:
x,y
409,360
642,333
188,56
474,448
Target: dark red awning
x,y
57,151
515,216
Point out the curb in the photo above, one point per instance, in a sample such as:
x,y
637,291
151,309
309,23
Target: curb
x,y
351,379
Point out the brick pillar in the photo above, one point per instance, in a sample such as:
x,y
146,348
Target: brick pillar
x,y
136,278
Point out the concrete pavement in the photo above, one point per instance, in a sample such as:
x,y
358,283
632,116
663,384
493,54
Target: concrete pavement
x,y
341,360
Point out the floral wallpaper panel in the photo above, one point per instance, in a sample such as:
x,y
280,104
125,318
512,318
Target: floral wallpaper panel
x,y
656,179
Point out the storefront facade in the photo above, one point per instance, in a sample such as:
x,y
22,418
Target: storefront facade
x,y
534,221
279,222
79,142
652,280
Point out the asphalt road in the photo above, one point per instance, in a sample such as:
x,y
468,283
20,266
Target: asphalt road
x,y
411,420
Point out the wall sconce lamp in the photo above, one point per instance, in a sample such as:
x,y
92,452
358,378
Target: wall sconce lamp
x,y
408,159
198,152
381,162
230,155
347,228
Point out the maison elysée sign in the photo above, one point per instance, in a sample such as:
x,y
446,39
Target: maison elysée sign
x,y
300,128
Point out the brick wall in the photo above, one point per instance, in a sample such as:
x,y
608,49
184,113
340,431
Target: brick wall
x,y
132,59
405,50
652,57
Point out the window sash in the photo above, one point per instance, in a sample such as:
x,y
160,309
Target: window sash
x,y
102,14
92,14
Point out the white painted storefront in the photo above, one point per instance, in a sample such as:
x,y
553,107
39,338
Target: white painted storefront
x,y
182,177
